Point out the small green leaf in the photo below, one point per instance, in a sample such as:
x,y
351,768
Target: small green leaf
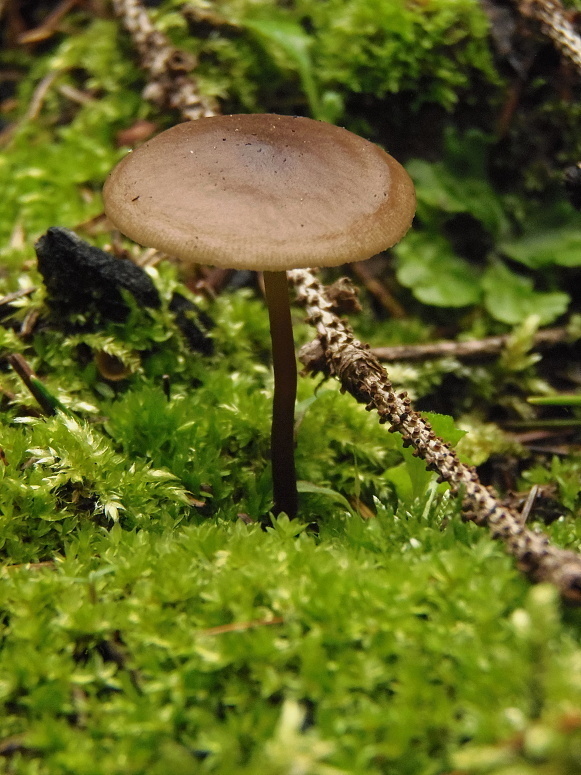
x,y
511,298
444,426
316,489
287,528
459,184
283,35
546,248
427,265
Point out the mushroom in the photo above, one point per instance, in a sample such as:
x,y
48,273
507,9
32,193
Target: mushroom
x,y
268,193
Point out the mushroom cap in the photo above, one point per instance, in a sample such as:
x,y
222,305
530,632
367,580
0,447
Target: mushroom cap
x,y
262,192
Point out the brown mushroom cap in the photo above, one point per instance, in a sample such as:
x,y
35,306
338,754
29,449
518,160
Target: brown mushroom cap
x,y
262,192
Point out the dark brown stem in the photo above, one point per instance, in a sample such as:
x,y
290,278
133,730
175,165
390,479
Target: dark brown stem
x,y
284,481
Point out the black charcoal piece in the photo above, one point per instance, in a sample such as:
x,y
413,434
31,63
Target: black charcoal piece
x,y
81,278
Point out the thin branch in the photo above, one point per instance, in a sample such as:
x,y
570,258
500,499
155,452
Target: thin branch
x,y
336,352
529,503
170,84
361,270
34,106
471,349
49,25
15,295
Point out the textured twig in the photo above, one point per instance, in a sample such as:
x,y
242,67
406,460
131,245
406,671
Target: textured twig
x,y
49,25
471,349
556,25
169,84
336,352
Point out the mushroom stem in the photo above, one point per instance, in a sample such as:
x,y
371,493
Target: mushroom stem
x,y
284,481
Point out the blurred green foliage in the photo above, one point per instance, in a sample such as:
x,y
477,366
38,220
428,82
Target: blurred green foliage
x,y
434,51
443,274
53,169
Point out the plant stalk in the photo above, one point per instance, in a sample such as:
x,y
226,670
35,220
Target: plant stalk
x,y
284,480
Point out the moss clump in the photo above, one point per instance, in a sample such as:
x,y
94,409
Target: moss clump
x,y
166,634
434,50
256,53
231,650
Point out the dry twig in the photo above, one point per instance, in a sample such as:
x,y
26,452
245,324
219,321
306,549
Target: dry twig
x,y
336,352
34,107
50,24
361,270
472,349
170,85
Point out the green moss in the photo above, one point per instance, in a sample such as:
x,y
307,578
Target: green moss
x,y
53,170
366,664
432,49
165,635
333,49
